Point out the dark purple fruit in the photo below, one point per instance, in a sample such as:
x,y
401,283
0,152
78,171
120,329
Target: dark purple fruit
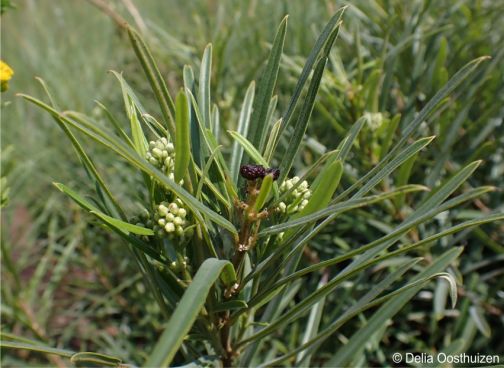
x,y
252,172
275,171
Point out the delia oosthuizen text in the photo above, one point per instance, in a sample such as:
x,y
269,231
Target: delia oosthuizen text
x,y
222,219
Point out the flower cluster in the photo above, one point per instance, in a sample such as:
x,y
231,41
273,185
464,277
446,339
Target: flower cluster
x,y
297,199
161,154
170,219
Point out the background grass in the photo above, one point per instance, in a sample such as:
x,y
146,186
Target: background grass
x,y
66,282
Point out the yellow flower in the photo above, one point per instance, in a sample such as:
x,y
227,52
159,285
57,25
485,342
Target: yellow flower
x,y
6,73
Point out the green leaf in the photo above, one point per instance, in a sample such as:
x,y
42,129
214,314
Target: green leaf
x,y
346,144
204,179
479,319
210,146
357,342
363,303
132,157
270,145
323,192
258,123
401,157
204,85
264,192
155,78
389,133
312,325
328,33
124,226
186,312
328,156
229,305
86,160
95,359
91,208
403,176
339,208
361,264
453,288
130,103
182,136
249,148
37,348
302,121
242,129
428,109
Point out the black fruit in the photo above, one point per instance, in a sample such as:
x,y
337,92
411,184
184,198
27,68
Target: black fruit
x,y
275,171
252,172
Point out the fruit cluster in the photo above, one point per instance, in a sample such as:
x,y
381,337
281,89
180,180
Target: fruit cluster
x,y
253,172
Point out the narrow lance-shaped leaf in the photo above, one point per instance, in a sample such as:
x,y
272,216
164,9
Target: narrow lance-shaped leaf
x,y
138,136
94,359
249,148
198,149
402,157
242,129
112,142
124,226
258,123
323,192
187,311
182,136
327,34
204,85
356,344
264,192
302,122
360,264
339,208
116,226
404,249
359,306
88,163
428,109
268,150
156,81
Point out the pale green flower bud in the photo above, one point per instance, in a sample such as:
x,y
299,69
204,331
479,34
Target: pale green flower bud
x,y
161,154
173,208
162,209
297,198
282,207
170,220
169,227
157,153
303,204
